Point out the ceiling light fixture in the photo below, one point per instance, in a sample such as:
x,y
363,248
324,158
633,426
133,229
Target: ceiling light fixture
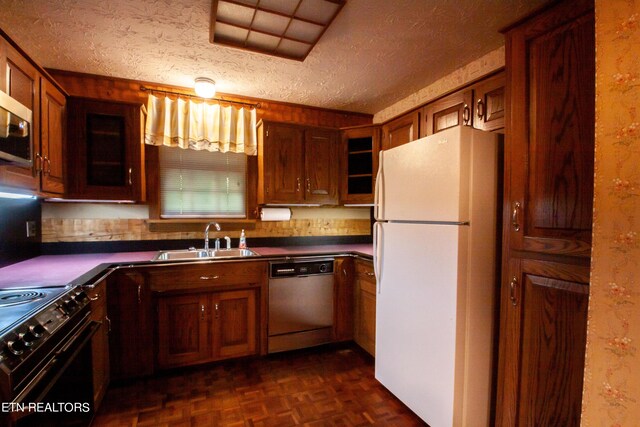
x,y
205,87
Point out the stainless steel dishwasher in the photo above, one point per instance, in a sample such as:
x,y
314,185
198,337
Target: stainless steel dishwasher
x,y
300,303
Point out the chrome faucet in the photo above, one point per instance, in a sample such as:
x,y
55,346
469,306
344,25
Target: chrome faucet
x,y
228,239
206,234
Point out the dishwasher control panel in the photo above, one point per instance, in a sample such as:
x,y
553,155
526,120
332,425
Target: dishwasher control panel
x,y
300,268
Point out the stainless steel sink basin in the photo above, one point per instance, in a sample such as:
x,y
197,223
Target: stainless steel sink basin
x,y
191,254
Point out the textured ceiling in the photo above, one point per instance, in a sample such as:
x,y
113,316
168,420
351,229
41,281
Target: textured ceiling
x,y
375,53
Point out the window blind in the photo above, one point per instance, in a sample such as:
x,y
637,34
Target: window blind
x,y
196,184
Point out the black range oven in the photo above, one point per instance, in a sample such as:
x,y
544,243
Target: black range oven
x,y
45,357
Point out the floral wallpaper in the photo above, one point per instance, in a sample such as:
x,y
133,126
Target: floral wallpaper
x,y
612,373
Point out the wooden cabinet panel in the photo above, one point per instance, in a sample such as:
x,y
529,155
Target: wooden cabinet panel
x,y
100,341
549,156
296,164
183,329
489,103
450,111
235,323
343,276
205,276
359,152
364,332
551,141
129,307
544,338
283,163
21,81
52,120
401,130
106,153
321,171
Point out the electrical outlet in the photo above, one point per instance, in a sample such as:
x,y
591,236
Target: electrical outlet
x,y
31,229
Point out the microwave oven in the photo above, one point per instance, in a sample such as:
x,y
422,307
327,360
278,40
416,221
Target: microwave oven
x,y
15,132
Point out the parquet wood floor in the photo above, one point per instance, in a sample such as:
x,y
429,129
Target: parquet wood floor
x,y
329,386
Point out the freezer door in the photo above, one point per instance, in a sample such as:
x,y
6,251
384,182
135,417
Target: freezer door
x,y
421,268
433,178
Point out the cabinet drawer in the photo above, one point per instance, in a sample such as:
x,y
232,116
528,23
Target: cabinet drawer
x,y
200,276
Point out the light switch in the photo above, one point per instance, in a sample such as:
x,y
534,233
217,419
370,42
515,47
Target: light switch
x,y
31,229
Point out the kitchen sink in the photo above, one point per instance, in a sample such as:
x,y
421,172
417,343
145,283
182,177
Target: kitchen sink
x,y
191,254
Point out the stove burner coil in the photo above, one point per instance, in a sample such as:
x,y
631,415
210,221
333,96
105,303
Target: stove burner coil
x,y
18,298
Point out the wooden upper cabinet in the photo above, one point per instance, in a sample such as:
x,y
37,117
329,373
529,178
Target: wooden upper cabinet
x,y
106,151
359,152
489,103
401,130
21,82
297,164
52,124
321,166
450,111
550,132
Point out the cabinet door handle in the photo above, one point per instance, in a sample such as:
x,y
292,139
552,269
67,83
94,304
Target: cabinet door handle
x,y
466,114
480,108
368,273
202,311
308,185
512,291
46,161
130,176
95,298
515,221
297,184
217,308
38,162
108,322
139,294
209,277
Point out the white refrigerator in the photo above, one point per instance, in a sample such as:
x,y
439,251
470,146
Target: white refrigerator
x,y
434,259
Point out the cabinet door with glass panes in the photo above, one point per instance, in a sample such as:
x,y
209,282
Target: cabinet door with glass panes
x,y
359,164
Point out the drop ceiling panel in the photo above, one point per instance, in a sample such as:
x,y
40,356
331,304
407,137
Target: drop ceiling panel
x,y
300,22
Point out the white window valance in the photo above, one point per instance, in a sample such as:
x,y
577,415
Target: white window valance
x,y
200,126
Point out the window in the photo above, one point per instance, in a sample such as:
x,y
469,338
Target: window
x,y
197,184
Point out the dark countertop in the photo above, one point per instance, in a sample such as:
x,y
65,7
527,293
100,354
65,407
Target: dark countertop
x,y
58,270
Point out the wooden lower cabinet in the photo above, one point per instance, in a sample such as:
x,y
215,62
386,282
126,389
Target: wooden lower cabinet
x,y
129,306
364,294
235,320
100,342
203,327
343,299
183,329
543,337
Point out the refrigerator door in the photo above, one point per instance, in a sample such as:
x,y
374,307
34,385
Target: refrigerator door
x,y
421,269
430,179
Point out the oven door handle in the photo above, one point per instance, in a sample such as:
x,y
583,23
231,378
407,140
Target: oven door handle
x,y
90,326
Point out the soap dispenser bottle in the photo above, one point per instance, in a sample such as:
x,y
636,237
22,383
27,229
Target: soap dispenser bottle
x,y
243,241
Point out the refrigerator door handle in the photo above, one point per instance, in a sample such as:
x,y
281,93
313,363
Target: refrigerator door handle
x,y
377,193
377,254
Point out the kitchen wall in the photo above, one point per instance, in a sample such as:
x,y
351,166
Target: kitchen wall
x,y
15,246
474,70
612,382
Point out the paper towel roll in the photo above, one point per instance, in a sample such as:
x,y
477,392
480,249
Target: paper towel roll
x,y
275,214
